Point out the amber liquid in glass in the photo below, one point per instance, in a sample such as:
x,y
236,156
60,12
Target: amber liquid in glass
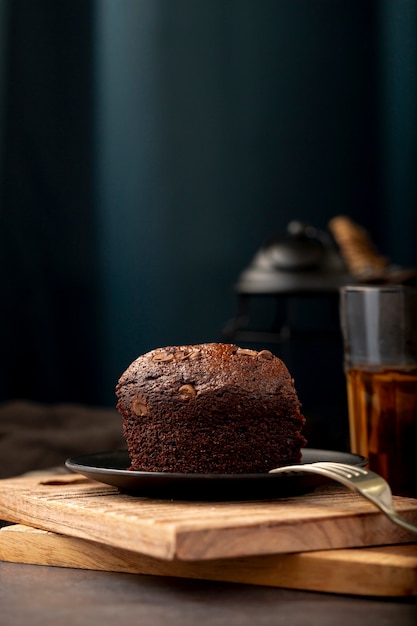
x,y
383,423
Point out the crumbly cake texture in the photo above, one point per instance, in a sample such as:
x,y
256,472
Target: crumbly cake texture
x,y
210,408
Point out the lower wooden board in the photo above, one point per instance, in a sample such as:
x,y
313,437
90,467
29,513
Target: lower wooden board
x,y
326,519
378,571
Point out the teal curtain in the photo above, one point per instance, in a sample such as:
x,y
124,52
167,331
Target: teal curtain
x,y
218,123
149,147
48,301
397,109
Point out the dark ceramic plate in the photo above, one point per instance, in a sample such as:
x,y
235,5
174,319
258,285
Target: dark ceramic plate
x,y
110,468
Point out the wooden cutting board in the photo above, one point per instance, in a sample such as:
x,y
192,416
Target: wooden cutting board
x,y
378,571
328,518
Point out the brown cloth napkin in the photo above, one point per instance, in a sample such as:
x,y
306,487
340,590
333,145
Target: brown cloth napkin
x,y
36,437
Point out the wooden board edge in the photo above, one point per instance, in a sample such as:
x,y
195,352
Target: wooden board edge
x,y
391,572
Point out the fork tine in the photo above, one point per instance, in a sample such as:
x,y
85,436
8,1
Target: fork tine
x,y
344,469
370,485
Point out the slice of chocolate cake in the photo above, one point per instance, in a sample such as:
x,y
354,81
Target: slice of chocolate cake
x,y
210,408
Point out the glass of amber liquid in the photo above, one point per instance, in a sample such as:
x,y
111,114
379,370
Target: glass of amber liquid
x,y
379,327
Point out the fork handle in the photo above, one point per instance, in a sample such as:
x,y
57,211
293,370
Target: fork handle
x,y
398,519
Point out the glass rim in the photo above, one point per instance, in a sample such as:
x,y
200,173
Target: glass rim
x,y
382,288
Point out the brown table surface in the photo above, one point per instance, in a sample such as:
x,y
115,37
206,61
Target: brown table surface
x,y
41,595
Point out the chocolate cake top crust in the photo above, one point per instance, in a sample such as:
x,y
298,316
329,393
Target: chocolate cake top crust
x,y
210,407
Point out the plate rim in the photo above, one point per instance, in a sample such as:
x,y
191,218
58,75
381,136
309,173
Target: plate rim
x,y
75,464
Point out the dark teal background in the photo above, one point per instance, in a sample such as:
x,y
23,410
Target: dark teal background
x,y
149,147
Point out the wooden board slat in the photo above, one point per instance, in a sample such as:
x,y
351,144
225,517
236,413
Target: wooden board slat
x,y
328,518
378,571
